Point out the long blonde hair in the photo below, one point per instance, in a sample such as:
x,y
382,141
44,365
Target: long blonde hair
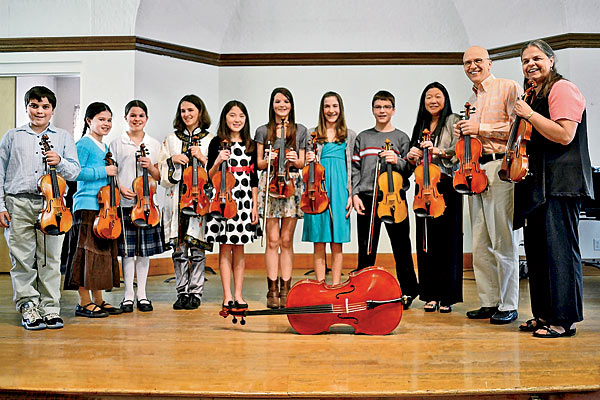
x,y
341,131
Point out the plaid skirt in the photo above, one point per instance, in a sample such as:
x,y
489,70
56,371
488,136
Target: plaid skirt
x,y
91,262
143,242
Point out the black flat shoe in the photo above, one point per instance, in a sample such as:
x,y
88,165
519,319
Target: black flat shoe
x,y
181,302
239,305
551,333
96,312
111,310
445,309
144,305
504,317
431,306
126,306
407,303
482,313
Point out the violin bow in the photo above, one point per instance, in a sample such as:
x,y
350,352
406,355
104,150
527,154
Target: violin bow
x,y
262,239
374,203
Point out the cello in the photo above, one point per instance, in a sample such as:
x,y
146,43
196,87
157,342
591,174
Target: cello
x,y
391,208
515,164
281,185
145,213
428,201
314,200
223,205
370,301
194,201
107,224
54,218
470,178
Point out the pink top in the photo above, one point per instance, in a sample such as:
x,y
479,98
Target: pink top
x,y
566,102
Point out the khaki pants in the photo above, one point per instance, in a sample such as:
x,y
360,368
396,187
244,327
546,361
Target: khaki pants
x,y
495,246
35,276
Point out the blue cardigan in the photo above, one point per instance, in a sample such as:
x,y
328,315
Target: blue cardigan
x,y
92,176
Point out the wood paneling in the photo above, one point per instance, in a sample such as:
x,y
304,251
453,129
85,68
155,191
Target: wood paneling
x,y
98,43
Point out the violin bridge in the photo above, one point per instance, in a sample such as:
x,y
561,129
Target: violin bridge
x,y
346,304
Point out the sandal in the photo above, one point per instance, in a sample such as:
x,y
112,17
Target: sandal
x,y
431,306
551,333
445,309
95,312
531,325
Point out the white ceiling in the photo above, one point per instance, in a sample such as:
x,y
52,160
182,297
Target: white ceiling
x,y
265,26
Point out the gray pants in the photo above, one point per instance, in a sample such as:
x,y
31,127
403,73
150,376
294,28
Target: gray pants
x,y
189,269
35,276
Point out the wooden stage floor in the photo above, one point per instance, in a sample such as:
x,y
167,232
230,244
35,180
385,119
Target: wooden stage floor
x,y
198,354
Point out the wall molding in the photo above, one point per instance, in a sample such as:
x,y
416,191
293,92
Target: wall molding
x,y
107,43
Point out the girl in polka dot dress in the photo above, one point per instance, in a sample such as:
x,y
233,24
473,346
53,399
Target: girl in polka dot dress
x,y
234,233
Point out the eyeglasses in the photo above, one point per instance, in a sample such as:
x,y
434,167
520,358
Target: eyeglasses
x,y
477,61
386,107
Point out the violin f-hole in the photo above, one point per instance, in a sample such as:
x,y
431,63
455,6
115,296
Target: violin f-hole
x,y
338,295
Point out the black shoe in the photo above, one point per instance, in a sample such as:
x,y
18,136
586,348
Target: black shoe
x,y
110,309
95,312
445,309
181,302
194,302
126,306
482,313
504,317
407,303
229,305
237,304
144,305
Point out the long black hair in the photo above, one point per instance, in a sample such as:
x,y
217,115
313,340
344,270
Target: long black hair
x,y
424,117
223,131
91,111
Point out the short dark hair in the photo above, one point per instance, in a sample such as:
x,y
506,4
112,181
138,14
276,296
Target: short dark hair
x,y
384,95
136,103
38,93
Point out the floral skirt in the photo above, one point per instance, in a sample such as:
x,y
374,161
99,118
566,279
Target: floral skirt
x,y
281,208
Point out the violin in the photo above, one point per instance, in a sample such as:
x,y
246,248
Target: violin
x,y
370,301
54,218
391,208
314,200
515,164
107,224
194,201
428,201
281,185
470,178
223,205
145,213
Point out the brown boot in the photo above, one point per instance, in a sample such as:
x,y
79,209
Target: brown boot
x,y
272,294
283,293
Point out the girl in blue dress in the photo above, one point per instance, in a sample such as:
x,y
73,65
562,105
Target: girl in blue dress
x,y
335,144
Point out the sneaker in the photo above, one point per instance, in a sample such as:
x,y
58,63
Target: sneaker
x,y
181,302
31,318
194,302
53,321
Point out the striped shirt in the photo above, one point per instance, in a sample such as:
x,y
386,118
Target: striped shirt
x,y
21,159
494,101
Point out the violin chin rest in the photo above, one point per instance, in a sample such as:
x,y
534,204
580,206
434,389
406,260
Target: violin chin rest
x,y
189,212
140,223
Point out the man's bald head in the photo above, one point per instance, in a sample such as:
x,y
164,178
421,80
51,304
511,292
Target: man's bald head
x,y
477,64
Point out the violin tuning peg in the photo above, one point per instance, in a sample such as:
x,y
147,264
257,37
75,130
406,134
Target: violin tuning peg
x,y
234,320
243,321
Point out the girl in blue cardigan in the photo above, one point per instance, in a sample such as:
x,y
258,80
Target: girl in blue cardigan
x,y
92,264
